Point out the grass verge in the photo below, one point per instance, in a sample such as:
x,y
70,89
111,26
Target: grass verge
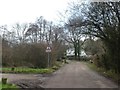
x,y
8,87
109,74
26,70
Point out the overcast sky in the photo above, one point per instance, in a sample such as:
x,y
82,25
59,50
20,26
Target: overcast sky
x,y
12,11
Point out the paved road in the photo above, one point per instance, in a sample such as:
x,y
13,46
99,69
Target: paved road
x,y
16,77
78,75
72,75
27,80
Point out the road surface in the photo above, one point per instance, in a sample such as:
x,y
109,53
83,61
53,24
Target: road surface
x,y
78,75
72,75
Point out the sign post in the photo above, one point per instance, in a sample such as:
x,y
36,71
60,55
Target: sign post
x,y
48,50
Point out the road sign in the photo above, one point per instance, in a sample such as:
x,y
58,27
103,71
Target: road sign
x,y
48,49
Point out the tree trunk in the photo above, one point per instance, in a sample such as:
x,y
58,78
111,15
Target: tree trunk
x,y
75,49
78,49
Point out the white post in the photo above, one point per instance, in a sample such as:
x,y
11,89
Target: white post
x,y
48,50
48,60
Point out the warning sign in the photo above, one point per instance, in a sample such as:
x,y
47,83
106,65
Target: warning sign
x,y
48,49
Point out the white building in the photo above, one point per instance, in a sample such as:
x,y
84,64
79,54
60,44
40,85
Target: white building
x,y
71,52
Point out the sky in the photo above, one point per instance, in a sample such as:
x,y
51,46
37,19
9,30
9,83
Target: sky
x,y
26,11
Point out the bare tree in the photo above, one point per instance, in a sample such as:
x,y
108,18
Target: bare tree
x,y
74,34
102,20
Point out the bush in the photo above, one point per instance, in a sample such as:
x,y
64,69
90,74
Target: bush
x,y
55,67
102,60
31,55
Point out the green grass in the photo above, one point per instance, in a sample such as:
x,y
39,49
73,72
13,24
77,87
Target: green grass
x,y
57,65
8,87
27,70
109,74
